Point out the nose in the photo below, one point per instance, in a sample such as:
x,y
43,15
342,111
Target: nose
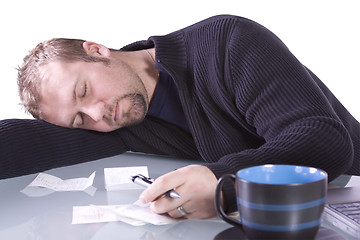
x,y
94,110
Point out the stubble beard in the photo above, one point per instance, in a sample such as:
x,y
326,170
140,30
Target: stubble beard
x,y
135,115
138,100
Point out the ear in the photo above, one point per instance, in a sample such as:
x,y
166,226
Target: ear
x,y
96,50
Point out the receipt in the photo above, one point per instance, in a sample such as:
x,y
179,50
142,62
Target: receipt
x,y
57,184
135,214
120,178
98,214
143,212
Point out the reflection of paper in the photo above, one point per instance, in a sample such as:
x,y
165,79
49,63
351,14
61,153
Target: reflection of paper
x,y
41,191
36,191
119,178
57,184
134,214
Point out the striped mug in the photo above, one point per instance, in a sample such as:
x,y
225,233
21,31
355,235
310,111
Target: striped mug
x,y
277,201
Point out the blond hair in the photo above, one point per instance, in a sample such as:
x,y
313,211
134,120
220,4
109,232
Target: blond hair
x,y
57,49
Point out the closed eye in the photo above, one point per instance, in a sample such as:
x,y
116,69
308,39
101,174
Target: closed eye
x,y
80,91
84,89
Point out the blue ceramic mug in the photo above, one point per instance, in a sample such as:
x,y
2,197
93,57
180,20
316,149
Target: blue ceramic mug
x,y
277,201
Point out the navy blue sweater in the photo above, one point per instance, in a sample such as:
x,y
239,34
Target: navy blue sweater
x,y
246,98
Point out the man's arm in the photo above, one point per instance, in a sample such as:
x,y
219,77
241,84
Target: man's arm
x,y
280,100
29,146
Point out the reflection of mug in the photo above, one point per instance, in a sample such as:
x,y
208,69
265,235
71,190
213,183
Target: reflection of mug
x,y
277,201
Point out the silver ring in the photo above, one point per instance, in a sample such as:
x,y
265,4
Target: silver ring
x,y
182,211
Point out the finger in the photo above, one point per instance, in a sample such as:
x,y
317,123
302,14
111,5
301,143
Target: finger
x,y
161,185
165,204
190,214
184,212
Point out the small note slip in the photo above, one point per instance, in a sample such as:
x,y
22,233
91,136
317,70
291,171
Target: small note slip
x,y
120,178
99,214
57,184
135,214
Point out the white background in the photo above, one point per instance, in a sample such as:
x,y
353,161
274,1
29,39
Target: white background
x,y
323,34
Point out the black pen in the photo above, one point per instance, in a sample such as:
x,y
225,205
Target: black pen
x,y
146,182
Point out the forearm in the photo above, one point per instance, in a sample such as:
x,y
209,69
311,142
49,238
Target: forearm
x,y
29,146
310,142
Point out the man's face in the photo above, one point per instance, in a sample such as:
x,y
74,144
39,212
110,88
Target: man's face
x,y
92,95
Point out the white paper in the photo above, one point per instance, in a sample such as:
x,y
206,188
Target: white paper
x,y
98,214
57,184
120,178
143,212
134,214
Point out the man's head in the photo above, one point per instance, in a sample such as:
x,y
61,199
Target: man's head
x,y
57,49
79,84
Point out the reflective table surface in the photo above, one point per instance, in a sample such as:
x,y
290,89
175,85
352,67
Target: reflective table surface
x,y
25,216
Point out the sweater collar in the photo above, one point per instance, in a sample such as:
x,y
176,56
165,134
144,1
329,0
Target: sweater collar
x,y
170,52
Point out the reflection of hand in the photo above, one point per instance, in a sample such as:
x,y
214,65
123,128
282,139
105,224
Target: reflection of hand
x,y
196,185
190,229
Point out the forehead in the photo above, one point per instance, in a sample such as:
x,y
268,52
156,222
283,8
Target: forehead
x,y
57,83
55,77
55,71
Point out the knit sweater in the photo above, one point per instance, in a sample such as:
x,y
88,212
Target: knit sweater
x,y
246,98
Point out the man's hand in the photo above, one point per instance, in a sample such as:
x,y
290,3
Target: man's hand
x,y
196,185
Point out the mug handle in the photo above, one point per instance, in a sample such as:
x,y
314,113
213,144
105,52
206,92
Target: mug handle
x,y
218,206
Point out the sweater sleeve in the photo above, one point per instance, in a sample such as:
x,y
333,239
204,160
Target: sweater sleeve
x,y
29,146
281,103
